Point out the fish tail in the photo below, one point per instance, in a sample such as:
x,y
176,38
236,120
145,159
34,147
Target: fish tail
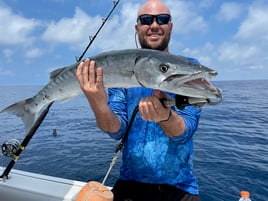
x,y
20,110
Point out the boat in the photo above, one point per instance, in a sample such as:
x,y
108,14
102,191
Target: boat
x,y
22,186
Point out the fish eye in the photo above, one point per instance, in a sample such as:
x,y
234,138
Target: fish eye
x,y
163,68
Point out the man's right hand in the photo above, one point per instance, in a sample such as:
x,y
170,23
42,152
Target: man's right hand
x,y
91,83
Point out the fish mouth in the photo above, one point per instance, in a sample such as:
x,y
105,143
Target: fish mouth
x,y
193,85
199,83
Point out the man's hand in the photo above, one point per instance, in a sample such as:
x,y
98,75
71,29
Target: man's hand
x,y
91,83
151,108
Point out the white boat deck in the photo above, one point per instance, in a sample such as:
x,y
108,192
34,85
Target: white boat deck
x,y
28,186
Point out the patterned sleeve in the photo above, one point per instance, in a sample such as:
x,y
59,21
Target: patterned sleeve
x,y
118,103
191,117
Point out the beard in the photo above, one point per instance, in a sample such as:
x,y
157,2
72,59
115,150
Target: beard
x,y
162,45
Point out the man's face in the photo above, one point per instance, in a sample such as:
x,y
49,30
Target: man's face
x,y
154,36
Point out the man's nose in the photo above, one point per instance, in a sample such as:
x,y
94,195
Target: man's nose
x,y
154,22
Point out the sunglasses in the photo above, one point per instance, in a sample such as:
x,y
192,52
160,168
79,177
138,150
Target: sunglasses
x,y
147,19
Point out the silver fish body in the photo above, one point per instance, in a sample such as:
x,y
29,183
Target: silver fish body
x,y
125,68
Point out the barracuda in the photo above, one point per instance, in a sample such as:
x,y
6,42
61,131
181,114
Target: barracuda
x,y
126,68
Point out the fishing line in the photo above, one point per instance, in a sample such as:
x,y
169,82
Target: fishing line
x,y
54,130
136,43
121,144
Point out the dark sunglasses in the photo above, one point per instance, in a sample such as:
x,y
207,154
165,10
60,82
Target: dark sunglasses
x,y
147,19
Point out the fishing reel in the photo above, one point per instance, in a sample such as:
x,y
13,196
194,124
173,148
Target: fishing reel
x,y
10,148
182,101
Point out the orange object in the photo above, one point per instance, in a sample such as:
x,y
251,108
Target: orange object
x,y
244,194
95,191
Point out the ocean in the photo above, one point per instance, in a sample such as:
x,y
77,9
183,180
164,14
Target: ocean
x,y
230,153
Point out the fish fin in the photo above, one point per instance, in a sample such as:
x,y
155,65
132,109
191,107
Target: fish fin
x,y
56,72
20,110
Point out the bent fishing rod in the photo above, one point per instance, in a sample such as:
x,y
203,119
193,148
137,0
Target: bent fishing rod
x,y
13,148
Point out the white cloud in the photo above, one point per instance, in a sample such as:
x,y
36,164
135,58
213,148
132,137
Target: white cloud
x,y
15,29
117,33
230,11
71,30
33,53
243,55
237,53
186,18
249,45
255,26
203,54
256,67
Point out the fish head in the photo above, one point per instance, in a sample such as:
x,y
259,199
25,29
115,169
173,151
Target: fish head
x,y
175,74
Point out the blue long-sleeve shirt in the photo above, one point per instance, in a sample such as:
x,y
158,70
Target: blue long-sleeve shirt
x,y
149,155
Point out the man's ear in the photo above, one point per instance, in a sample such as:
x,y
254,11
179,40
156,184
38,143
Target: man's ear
x,y
136,28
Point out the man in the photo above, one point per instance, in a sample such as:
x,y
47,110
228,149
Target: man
x,y
157,156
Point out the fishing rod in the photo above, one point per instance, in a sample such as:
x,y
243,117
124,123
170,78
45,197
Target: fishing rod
x,y
91,39
13,148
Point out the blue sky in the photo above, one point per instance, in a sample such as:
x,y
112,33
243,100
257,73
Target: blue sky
x,y
38,36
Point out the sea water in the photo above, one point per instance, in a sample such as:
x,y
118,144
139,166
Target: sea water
x,y
230,153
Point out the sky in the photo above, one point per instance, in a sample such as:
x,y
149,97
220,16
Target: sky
x,y
39,36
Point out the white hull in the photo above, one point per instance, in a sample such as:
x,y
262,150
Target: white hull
x,y
26,186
